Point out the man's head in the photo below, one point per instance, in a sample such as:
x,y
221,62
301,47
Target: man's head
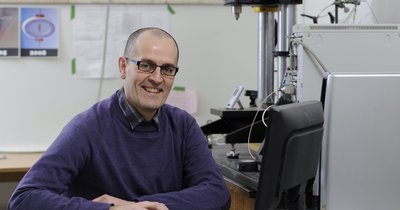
x,y
146,91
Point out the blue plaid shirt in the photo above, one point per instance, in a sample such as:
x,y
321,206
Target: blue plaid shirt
x,y
134,118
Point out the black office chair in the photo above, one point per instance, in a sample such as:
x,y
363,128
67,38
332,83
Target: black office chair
x,y
291,154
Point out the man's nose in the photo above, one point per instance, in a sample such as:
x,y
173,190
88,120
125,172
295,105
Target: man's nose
x,y
156,76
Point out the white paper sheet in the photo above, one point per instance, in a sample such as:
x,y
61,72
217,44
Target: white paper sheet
x,y
186,100
89,34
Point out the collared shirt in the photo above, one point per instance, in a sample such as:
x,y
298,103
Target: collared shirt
x,y
135,118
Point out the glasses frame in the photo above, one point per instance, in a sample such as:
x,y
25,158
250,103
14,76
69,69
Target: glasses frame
x,y
154,65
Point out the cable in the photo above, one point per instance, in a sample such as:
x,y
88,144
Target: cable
x,y
341,2
263,115
325,8
325,70
354,12
104,52
361,19
372,11
292,66
254,119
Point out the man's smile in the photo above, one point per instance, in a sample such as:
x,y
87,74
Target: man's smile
x,y
152,90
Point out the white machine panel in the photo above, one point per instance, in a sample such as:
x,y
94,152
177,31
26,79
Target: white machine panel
x,y
360,167
344,48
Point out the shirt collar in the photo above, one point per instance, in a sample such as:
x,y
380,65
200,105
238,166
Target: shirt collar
x,y
135,118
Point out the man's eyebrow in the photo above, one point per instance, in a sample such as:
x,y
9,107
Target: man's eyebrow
x,y
152,62
148,60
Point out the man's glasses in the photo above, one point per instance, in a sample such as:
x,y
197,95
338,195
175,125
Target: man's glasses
x,y
147,67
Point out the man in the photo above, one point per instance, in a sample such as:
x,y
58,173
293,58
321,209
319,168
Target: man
x,y
130,151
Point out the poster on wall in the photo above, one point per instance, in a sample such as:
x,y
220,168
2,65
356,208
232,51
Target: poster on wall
x,y
39,32
9,32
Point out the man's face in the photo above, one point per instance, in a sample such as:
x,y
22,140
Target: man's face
x,y
146,92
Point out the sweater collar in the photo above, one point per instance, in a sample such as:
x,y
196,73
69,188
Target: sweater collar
x,y
135,118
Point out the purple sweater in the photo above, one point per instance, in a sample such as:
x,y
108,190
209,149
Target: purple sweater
x,y
98,153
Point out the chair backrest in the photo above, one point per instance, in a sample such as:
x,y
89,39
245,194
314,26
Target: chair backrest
x,y
291,155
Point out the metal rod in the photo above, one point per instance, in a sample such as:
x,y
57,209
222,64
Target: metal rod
x,y
266,45
291,21
262,64
282,42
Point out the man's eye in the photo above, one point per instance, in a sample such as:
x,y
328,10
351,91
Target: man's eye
x,y
145,66
168,69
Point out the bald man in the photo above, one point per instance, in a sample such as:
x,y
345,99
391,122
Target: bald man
x,y
131,151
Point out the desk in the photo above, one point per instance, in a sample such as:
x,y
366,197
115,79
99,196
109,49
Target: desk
x,y
241,185
15,165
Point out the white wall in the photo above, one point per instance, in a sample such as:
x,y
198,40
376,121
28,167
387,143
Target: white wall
x,y
217,54
40,96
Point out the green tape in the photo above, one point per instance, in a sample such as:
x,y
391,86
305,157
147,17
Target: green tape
x,y
179,88
170,9
72,11
73,66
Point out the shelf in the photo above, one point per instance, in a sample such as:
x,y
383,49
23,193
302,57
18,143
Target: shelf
x,y
195,2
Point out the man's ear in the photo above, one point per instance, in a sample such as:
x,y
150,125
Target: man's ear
x,y
122,67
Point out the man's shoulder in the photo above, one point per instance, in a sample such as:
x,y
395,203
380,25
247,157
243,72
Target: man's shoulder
x,y
176,116
97,112
168,109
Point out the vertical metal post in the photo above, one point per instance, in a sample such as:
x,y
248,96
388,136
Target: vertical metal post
x,y
291,21
282,42
286,21
266,45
